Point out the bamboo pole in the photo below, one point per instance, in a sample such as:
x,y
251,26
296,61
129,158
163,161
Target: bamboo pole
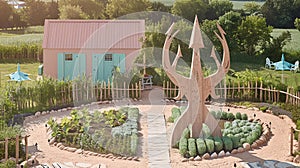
x,y
261,92
292,139
255,94
104,88
17,149
167,89
136,90
26,148
6,149
140,89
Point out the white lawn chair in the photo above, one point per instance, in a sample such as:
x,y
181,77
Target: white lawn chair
x,y
269,64
295,67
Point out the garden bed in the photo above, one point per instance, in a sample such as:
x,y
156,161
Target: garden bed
x,y
108,132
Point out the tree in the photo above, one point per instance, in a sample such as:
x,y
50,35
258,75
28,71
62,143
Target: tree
x,y
230,23
279,13
274,48
158,6
297,23
117,8
35,12
93,9
253,33
52,10
218,8
5,13
189,8
251,7
72,12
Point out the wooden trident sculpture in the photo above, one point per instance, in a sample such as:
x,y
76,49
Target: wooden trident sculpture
x,y
196,88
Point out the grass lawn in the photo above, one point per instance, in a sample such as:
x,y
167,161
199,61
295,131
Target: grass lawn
x,y
240,4
5,69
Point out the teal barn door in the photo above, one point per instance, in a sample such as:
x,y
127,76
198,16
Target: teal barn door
x,y
103,66
70,66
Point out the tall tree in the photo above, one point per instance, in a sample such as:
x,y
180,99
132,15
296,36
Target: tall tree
x,y
93,9
253,33
218,8
230,23
189,8
117,8
251,7
72,12
5,12
53,11
158,6
35,12
279,13
274,49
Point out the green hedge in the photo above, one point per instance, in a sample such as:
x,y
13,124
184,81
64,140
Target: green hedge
x,y
218,144
183,146
228,145
210,145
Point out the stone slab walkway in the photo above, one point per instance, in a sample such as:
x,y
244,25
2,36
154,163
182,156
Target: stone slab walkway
x,y
158,144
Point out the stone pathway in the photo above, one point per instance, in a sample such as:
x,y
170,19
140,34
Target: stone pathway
x,y
269,164
158,144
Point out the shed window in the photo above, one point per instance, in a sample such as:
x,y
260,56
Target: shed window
x,y
68,57
108,57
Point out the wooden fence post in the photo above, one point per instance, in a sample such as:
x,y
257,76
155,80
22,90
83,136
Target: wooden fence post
x,y
292,139
6,149
225,90
17,149
26,148
255,94
261,91
140,89
232,93
167,89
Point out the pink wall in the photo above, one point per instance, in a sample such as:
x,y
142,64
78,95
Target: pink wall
x,y
50,58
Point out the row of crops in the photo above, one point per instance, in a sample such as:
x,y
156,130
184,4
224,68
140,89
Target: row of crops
x,y
112,131
23,48
237,131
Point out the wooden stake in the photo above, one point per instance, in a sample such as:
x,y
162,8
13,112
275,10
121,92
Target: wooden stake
x,y
26,148
17,149
6,149
292,139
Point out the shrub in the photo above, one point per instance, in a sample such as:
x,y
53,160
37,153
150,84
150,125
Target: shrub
x,y
206,131
224,115
250,139
210,145
183,146
192,147
236,142
227,143
182,109
175,113
238,116
219,115
170,119
201,146
133,113
218,144
186,133
230,117
227,125
244,117
263,109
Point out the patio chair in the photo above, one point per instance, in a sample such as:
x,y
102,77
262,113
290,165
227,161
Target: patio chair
x,y
295,67
269,64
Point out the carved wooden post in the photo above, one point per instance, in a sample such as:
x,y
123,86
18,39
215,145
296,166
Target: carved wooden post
x,y
196,88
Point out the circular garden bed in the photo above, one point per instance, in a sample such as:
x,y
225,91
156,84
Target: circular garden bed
x,y
238,135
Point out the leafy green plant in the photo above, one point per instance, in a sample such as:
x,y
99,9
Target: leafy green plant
x,y
114,118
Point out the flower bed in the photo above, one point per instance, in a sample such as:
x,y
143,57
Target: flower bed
x,y
112,131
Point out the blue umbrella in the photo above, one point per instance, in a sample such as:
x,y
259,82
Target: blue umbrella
x,y
18,75
283,65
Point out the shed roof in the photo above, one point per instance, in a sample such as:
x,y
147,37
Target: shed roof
x,y
93,34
